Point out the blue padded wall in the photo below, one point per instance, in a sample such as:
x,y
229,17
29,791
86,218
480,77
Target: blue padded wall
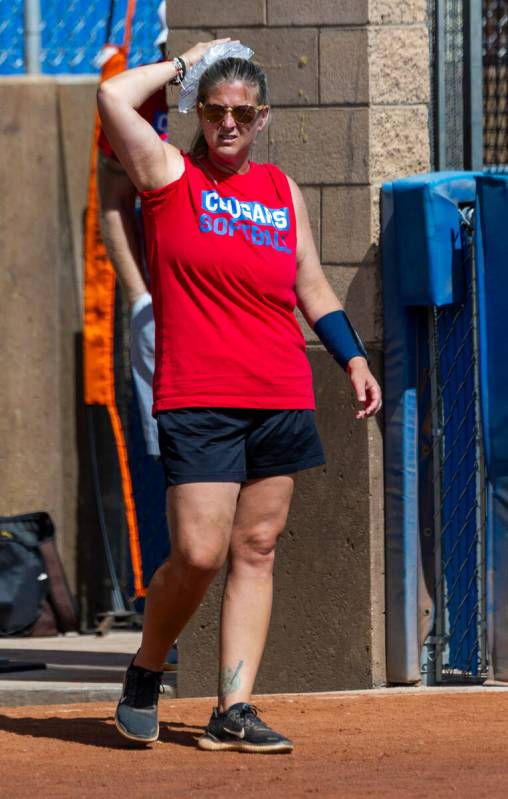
x,y
428,241
401,458
492,266
492,270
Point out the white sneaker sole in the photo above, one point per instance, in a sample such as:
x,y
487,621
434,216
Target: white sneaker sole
x,y
213,745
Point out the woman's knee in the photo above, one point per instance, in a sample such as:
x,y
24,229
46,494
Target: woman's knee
x,y
199,559
256,546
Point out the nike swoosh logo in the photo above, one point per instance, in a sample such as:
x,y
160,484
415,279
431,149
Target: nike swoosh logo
x,y
236,734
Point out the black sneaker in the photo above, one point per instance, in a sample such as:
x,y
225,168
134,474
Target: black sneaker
x,y
241,730
136,713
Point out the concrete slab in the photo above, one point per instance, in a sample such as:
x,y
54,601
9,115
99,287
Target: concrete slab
x,y
17,693
74,642
73,668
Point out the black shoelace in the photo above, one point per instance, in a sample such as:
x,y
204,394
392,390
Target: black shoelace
x,y
143,688
249,715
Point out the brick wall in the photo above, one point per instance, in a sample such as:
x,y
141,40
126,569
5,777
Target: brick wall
x,y
349,89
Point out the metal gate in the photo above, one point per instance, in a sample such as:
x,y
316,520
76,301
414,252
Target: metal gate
x,y
447,514
469,128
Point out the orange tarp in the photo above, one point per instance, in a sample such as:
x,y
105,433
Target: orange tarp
x,y
99,319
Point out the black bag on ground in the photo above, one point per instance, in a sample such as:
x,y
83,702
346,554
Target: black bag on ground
x,y
34,595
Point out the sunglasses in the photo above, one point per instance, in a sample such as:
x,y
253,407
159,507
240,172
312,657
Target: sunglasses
x,y
242,114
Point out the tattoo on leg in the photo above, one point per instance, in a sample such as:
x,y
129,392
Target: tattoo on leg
x,y
229,680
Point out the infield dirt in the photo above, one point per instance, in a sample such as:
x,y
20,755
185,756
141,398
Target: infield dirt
x,y
396,745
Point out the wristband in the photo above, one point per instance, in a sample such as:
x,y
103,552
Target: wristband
x,y
181,70
339,337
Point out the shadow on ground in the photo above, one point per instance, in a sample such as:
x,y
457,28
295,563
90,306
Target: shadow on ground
x,y
98,732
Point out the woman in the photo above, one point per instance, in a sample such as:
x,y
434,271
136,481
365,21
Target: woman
x,y
230,252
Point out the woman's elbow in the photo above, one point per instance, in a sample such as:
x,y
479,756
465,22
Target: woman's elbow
x,y
105,95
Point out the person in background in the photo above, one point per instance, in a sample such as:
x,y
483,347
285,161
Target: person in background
x,y
122,233
121,230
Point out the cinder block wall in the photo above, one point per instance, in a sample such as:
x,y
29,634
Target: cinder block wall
x,y
349,84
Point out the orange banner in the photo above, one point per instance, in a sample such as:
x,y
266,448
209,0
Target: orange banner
x,y
99,320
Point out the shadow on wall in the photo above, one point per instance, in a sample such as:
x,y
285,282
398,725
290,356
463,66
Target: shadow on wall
x,y
363,302
93,432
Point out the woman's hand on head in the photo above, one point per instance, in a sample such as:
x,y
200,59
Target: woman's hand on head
x,y
365,386
196,53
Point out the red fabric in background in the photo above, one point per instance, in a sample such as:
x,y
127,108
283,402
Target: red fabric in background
x,y
154,110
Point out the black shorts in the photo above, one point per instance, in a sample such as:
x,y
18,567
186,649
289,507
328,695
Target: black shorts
x,y
208,445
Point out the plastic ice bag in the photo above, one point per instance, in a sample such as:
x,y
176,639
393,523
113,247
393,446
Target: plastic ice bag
x,y
189,88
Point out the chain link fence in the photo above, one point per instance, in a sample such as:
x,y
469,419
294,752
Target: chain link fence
x,y
495,81
456,647
453,46
12,37
431,26
451,118
73,33
445,20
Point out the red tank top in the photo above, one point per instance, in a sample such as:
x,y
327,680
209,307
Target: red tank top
x,y
221,252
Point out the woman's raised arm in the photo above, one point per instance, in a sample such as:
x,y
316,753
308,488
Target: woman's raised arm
x,y
148,160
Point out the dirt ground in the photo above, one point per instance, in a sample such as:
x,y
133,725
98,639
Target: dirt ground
x,y
367,745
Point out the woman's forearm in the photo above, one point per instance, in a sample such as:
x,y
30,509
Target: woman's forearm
x,y
134,86
316,299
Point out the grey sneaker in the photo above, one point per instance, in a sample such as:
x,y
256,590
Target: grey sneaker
x,y
241,730
136,713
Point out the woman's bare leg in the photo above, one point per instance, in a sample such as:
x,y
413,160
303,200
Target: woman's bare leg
x,y
261,515
201,518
